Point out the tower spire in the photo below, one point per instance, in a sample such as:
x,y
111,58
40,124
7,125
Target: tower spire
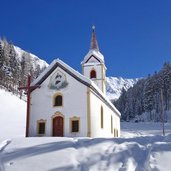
x,y
94,44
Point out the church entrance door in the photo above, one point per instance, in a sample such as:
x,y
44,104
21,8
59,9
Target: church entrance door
x,y
58,125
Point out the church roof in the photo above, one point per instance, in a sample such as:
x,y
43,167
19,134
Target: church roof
x,y
81,78
94,49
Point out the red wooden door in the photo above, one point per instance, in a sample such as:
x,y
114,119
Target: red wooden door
x,y
58,126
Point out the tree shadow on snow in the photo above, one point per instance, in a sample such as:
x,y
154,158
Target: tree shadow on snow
x,y
36,150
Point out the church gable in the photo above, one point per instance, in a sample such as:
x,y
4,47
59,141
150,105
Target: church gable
x,y
58,78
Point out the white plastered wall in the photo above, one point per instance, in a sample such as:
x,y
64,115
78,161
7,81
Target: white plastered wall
x,y
74,104
95,113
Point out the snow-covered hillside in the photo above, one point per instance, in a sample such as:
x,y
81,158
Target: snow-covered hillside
x,y
114,86
140,148
35,60
12,116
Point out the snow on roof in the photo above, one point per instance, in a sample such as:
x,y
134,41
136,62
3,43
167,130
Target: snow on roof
x,y
95,53
84,79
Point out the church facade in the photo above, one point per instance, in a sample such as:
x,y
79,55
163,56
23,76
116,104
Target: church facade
x,y
67,103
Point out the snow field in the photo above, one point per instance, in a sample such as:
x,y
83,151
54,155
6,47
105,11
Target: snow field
x,y
12,116
69,154
140,148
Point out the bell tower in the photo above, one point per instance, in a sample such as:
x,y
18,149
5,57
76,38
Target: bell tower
x,y
93,65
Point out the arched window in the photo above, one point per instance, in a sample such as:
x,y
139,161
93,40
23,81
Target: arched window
x,y
58,100
93,74
101,115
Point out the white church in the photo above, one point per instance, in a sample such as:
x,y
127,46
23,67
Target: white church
x,y
71,104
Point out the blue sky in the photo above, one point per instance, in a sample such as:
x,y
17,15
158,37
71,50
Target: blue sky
x,y
134,36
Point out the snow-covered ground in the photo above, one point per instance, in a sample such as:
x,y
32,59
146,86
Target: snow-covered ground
x,y
137,153
12,115
140,148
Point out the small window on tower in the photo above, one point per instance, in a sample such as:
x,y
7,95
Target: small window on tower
x,y
93,74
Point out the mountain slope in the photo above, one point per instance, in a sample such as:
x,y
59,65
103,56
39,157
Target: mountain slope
x,y
35,59
114,86
16,64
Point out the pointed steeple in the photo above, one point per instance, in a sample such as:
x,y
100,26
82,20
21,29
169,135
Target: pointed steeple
x,y
94,44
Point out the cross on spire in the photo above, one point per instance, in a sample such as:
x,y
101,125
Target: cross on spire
x,y
94,44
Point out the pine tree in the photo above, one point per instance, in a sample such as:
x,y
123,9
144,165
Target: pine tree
x,y
165,79
14,72
121,104
37,72
6,51
148,96
2,59
23,75
1,55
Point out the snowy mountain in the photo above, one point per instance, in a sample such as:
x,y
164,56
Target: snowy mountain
x,y
114,86
35,60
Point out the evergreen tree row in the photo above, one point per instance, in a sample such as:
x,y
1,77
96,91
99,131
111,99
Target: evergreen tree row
x,y
14,71
145,97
